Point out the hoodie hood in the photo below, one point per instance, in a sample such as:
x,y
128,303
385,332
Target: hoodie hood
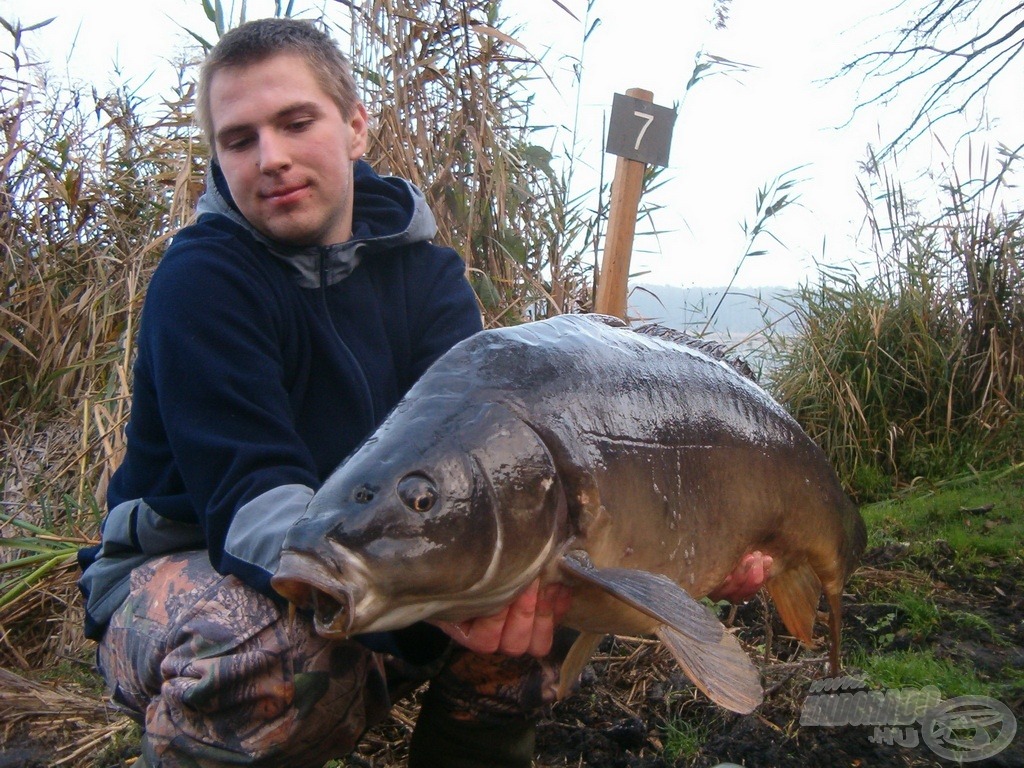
x,y
387,212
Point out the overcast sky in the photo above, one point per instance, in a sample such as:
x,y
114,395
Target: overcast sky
x,y
733,135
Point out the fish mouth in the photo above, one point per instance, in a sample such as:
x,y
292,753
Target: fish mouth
x,y
331,617
306,582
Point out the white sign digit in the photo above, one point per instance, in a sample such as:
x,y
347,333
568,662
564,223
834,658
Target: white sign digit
x,y
648,120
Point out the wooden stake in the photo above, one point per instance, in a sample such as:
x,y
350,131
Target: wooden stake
x,y
618,246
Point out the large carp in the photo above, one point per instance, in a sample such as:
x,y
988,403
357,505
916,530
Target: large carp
x,y
632,466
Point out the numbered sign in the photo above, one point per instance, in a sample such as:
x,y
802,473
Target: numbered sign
x,y
640,130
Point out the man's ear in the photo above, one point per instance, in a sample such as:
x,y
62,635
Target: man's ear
x,y
358,122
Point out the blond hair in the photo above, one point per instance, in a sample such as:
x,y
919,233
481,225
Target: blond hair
x,y
258,40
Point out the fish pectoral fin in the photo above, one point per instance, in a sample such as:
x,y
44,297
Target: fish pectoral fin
x,y
796,593
579,654
650,593
722,670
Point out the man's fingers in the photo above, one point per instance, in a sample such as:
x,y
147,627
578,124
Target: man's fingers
x,y
517,634
755,575
526,625
746,579
559,597
552,604
549,612
485,632
482,635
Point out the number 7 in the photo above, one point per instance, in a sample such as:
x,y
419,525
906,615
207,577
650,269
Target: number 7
x,y
648,119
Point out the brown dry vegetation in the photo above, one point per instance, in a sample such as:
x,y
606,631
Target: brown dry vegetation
x,y
93,186
84,218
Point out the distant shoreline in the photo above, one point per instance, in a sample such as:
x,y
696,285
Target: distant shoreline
x,y
743,311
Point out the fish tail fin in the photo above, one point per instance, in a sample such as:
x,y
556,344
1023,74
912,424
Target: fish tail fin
x,y
579,654
720,669
796,593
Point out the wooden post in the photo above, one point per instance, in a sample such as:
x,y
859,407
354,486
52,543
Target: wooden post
x,y
618,246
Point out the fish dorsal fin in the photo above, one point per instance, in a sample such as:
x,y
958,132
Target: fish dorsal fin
x,y
796,593
721,670
651,593
609,320
710,348
577,658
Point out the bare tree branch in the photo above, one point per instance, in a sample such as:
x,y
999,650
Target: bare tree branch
x,y
954,49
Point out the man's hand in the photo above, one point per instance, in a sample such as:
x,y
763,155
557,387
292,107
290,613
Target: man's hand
x,y
746,578
526,625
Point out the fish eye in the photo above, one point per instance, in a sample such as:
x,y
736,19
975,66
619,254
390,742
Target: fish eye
x,y
417,492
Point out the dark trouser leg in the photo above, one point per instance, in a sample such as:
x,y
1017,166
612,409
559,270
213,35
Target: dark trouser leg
x,y
442,740
481,710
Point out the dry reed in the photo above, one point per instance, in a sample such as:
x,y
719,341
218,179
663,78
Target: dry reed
x,y
92,188
918,370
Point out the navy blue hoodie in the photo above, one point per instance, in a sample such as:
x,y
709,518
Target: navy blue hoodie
x,y
259,369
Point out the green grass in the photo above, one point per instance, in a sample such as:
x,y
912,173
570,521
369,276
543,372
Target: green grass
x,y
969,531
77,672
1012,684
684,738
979,518
114,750
970,526
923,615
974,623
920,668
911,611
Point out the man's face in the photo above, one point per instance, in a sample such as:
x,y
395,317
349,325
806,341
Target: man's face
x,y
286,150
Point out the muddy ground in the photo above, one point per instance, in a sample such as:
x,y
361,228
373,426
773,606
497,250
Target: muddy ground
x,y
633,702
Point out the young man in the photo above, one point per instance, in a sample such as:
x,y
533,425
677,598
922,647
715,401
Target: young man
x,y
277,333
